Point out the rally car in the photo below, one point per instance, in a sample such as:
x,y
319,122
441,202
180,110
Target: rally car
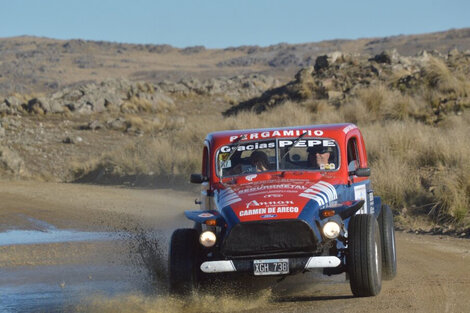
x,y
285,201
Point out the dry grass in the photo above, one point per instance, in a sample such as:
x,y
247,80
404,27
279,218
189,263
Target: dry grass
x,y
437,75
422,166
421,169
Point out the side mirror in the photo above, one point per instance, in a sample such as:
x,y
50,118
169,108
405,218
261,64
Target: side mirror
x,y
363,172
197,179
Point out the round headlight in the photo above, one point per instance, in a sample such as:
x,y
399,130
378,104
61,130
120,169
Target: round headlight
x,y
331,230
207,239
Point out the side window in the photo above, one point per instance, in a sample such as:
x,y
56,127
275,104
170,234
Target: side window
x,y
353,155
205,162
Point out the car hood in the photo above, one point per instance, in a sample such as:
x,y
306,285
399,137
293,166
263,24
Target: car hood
x,y
273,199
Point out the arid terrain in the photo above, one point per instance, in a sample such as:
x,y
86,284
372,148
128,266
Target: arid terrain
x,y
97,141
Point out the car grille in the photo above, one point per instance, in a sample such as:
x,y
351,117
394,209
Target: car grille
x,y
265,237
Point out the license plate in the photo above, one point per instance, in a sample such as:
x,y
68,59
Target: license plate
x,y
271,267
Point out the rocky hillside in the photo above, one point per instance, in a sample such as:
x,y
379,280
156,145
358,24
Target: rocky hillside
x,y
132,97
41,65
337,78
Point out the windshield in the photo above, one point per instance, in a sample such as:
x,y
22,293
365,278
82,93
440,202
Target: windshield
x,y
315,154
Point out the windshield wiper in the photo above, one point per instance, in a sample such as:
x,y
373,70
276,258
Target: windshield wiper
x,y
288,148
238,142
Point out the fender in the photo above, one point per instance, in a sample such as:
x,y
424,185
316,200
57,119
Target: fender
x,y
201,216
346,209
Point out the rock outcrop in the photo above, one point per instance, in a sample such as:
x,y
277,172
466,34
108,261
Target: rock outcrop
x,y
131,97
337,78
11,163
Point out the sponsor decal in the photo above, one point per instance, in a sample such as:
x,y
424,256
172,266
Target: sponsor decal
x,y
251,177
250,146
269,216
269,187
347,129
330,166
253,212
279,133
371,201
322,192
227,197
226,164
286,209
206,215
273,195
253,203
269,210
307,143
360,193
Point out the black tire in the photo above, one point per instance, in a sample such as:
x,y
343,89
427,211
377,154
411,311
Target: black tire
x,y
183,262
389,252
364,259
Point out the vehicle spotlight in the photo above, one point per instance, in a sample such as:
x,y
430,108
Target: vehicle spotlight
x,y
331,230
207,239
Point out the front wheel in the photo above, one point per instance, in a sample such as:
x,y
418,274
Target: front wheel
x,y
389,253
364,259
183,262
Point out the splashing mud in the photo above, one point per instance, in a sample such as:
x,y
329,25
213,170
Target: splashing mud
x,y
165,304
148,251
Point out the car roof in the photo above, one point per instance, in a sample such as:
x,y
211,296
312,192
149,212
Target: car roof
x,y
335,131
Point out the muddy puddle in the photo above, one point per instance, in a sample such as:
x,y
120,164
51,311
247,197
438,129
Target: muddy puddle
x,y
47,269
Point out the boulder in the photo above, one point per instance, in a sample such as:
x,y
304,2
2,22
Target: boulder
x,y
335,95
68,140
386,57
117,124
93,125
4,108
11,162
34,105
321,63
304,74
334,56
55,106
13,102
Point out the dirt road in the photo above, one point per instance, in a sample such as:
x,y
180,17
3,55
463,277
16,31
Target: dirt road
x,y
115,234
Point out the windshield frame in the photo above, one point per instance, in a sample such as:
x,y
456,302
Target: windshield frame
x,y
277,151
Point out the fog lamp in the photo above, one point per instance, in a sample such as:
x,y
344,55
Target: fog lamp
x,y
207,239
331,230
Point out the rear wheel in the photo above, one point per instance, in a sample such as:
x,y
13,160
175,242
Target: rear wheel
x,y
364,258
389,253
183,262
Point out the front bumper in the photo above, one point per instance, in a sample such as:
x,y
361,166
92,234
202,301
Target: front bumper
x,y
295,264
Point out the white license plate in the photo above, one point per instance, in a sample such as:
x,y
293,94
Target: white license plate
x,y
271,267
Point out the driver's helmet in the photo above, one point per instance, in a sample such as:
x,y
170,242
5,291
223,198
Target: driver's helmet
x,y
259,159
312,151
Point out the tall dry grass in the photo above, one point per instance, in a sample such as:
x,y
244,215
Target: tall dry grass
x,y
420,156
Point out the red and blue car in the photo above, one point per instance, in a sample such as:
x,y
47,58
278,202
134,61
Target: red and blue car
x,y
283,201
